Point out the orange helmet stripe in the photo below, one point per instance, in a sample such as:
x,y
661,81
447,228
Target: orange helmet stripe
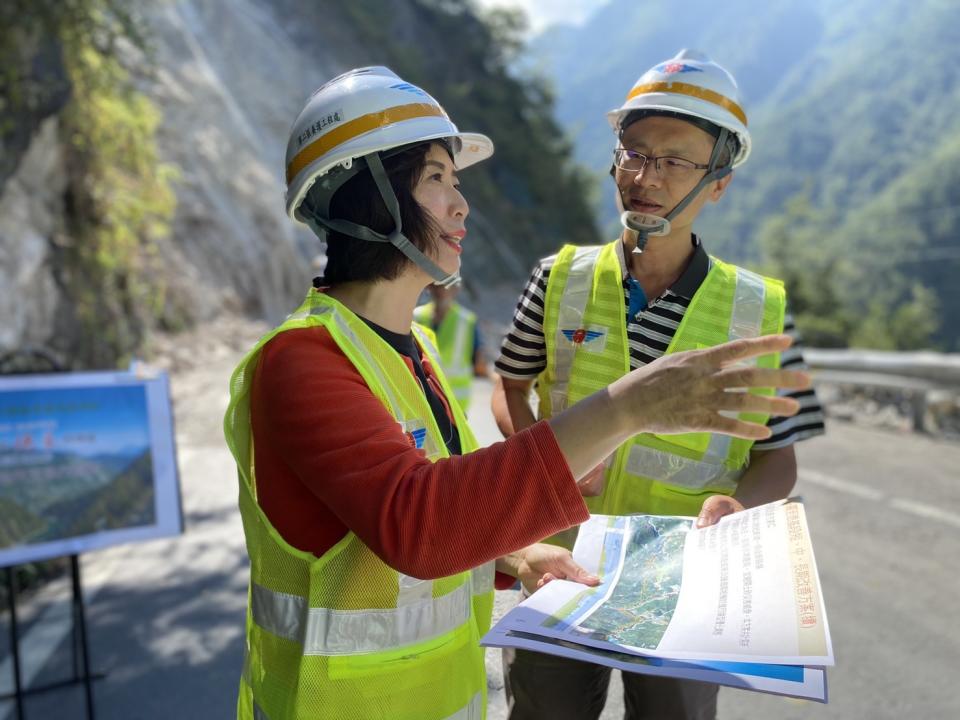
x,y
693,91
358,126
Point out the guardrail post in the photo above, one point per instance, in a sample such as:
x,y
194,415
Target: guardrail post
x,y
918,404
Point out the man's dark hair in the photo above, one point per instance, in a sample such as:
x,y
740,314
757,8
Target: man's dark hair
x,y
727,154
358,200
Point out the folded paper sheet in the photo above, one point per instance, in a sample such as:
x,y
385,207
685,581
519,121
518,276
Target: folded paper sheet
x,y
738,603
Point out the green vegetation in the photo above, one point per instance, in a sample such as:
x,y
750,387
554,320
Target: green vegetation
x,y
852,193
856,178
530,191
29,485
16,523
119,196
75,496
127,501
838,295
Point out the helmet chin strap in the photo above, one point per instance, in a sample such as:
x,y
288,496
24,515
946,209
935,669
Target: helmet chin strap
x,y
320,225
647,225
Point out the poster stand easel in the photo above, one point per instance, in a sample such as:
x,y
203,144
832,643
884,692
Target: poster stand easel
x,y
81,648
22,361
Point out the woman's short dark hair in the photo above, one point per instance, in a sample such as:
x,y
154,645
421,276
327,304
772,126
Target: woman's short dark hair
x,y
358,200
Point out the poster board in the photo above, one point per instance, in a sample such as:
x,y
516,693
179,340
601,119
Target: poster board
x,y
87,461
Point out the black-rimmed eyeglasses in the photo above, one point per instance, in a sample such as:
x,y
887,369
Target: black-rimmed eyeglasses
x,y
667,166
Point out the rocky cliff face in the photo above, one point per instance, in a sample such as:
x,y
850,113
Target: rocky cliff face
x,y
231,245
224,75
228,77
31,206
31,194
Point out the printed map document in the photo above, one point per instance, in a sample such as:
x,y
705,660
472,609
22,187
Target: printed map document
x,y
737,603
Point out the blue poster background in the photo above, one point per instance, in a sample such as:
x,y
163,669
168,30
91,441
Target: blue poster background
x,y
74,461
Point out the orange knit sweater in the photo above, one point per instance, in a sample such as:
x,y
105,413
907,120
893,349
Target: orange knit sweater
x,y
331,459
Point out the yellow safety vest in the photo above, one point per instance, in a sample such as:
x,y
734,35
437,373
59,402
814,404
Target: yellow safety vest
x,y
344,636
455,342
586,345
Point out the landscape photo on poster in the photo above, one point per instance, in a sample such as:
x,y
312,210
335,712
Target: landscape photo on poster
x,y
74,461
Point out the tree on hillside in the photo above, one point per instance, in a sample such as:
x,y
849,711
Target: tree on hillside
x,y
839,296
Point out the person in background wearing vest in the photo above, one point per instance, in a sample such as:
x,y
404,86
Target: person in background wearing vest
x,y
458,339
373,522
590,315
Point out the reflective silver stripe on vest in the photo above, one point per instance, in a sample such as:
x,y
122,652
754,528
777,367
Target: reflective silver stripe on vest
x,y
482,578
459,364
344,327
412,590
245,673
429,446
573,304
322,631
473,710
672,469
746,321
424,339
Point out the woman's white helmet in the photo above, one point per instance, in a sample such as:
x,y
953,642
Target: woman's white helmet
x,y
690,84
364,111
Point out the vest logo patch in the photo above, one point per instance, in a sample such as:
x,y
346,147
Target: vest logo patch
x,y
591,339
416,437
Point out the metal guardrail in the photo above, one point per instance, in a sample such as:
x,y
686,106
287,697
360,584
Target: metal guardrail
x,y
940,368
921,376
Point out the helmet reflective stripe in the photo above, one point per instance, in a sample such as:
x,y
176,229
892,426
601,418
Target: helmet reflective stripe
x,y
693,91
359,115
352,129
707,91
365,111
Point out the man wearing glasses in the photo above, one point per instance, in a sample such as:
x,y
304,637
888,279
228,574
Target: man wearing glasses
x,y
590,314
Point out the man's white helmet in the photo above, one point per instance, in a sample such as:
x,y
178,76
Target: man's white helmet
x,y
690,84
361,112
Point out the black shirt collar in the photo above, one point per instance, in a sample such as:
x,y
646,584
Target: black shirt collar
x,y
402,343
690,280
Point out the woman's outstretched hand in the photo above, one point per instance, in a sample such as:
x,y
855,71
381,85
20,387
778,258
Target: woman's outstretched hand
x,y
678,393
687,391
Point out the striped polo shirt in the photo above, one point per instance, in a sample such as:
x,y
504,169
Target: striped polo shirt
x,y
649,332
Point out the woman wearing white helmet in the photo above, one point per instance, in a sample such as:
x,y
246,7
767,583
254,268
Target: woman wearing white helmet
x,y
372,520
592,315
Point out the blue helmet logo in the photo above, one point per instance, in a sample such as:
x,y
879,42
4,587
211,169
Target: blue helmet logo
x,y
669,68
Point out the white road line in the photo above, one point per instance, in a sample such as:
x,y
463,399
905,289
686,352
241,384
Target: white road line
x,y
866,492
844,486
925,511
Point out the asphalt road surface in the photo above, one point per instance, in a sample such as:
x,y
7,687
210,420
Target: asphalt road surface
x,y
166,617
